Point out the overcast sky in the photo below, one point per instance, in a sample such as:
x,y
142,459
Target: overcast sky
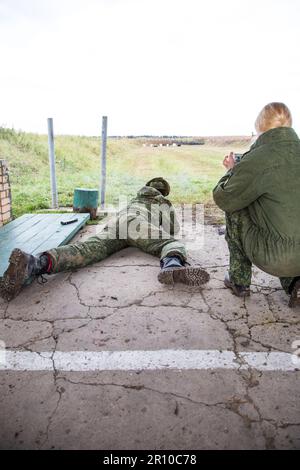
x,y
189,67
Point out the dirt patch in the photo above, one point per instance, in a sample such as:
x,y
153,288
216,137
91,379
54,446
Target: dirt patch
x,y
213,215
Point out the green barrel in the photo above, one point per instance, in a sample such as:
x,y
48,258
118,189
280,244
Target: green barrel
x,y
86,200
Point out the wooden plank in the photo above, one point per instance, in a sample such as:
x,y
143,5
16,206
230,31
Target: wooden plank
x,y
17,222
58,233
41,229
57,239
33,227
17,227
46,232
33,235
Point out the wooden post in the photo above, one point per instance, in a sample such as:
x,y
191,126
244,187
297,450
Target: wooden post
x,y
5,194
103,161
52,164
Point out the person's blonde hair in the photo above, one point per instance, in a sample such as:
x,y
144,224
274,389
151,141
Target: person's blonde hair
x,y
273,115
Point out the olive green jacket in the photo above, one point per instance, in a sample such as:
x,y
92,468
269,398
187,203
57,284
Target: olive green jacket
x,y
266,184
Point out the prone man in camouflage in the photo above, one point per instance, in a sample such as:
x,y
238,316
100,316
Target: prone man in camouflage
x,y
149,223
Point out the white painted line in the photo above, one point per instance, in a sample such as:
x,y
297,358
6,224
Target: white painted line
x,y
26,360
163,359
271,361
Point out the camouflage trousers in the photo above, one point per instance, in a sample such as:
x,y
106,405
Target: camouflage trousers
x,y
240,267
115,237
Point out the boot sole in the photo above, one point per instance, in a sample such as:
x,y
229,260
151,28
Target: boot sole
x,y
189,276
295,295
14,277
231,286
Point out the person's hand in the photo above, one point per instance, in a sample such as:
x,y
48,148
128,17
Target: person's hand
x,y
228,161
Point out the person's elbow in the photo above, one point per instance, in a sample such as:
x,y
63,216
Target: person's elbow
x,y
228,203
222,200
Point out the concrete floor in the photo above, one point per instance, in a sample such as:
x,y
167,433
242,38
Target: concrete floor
x,y
118,305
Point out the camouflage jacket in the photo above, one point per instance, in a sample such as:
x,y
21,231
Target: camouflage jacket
x,y
152,206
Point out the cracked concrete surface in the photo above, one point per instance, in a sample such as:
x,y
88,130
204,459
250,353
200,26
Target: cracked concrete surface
x,y
119,305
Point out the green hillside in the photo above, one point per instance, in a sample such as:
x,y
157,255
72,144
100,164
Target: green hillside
x,y
191,170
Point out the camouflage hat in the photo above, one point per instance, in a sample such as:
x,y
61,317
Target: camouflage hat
x,y
160,184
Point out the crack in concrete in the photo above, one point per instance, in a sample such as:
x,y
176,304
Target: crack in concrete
x,y
73,284
248,378
286,425
27,344
269,347
275,322
143,387
5,310
40,320
276,314
247,375
233,404
138,303
58,390
28,320
61,331
216,317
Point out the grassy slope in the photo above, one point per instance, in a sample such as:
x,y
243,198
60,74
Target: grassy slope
x,y
191,170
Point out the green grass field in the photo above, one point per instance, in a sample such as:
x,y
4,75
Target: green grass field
x,y
191,170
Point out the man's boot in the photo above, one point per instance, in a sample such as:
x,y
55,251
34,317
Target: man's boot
x,y
294,290
239,291
173,270
22,270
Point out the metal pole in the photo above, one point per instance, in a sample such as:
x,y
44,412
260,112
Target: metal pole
x,y
52,164
103,161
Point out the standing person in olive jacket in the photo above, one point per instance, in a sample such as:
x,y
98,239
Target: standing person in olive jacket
x,y
261,198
